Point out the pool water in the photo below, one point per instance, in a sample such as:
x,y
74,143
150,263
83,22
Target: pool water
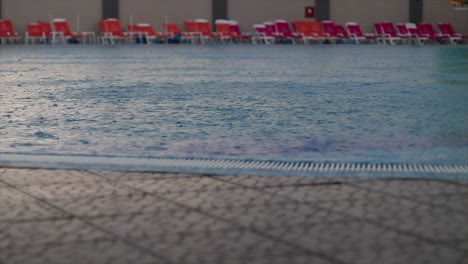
x,y
353,103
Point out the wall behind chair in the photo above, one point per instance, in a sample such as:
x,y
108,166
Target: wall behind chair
x,y
22,12
435,11
367,12
155,11
250,12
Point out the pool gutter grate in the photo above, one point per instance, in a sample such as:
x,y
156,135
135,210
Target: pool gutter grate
x,y
239,166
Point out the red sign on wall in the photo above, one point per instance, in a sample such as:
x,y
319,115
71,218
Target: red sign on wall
x,y
309,11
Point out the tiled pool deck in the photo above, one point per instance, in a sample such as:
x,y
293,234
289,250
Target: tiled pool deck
x,y
73,216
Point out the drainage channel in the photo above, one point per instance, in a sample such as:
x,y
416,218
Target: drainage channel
x,y
232,166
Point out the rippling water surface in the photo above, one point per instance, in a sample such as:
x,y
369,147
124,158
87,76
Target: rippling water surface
x,y
319,103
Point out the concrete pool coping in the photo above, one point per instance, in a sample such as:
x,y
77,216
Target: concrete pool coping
x,y
89,216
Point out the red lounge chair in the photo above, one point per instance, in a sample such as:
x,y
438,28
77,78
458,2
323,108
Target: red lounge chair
x,y
174,33
61,25
151,35
34,33
111,31
427,31
355,33
50,36
203,27
192,30
223,28
284,31
134,32
7,33
310,31
446,30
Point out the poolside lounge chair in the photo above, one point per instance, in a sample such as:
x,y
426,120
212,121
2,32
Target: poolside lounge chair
x,y
330,29
446,30
111,31
34,33
390,35
342,34
355,33
235,30
284,31
192,30
176,35
310,31
427,30
223,28
134,32
406,35
204,28
51,37
262,36
151,36
6,32
61,25
414,34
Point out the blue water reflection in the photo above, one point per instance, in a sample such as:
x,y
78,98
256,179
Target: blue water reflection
x,y
332,103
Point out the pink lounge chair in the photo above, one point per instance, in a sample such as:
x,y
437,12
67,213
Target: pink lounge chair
x,y
284,32
341,33
391,35
235,29
415,35
356,34
262,35
379,32
427,30
61,25
446,29
330,29
7,33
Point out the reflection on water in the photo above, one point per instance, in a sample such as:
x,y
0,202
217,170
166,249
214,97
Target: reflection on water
x,y
360,103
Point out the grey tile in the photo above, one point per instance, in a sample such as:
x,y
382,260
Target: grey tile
x,y
238,197
159,226
278,217
412,188
42,232
17,206
179,184
422,220
103,252
231,246
75,190
113,205
25,177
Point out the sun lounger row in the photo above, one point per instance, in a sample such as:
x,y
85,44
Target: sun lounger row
x,y
228,31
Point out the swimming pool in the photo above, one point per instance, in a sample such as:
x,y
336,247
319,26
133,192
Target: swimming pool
x,y
341,103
